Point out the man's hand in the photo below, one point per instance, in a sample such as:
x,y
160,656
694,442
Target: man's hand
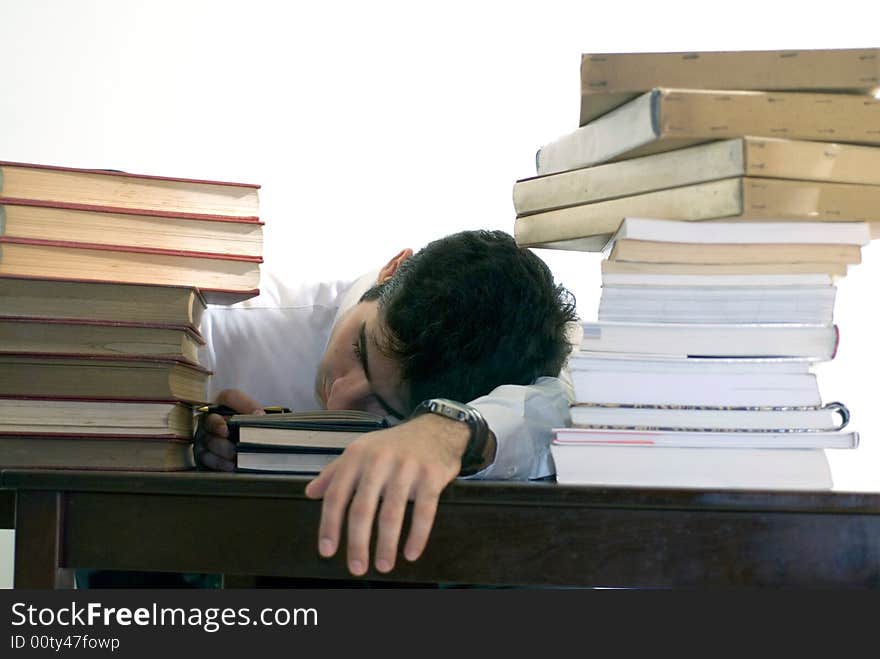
x,y
413,461
211,447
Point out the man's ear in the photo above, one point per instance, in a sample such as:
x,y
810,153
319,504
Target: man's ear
x,y
391,267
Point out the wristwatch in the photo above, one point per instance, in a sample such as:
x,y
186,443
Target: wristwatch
x,y
474,452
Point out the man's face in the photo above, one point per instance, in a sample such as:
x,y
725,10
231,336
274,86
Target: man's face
x,y
353,373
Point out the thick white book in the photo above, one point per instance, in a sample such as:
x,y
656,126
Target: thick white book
x,y
760,304
628,363
765,231
662,280
705,439
833,416
702,468
708,389
814,342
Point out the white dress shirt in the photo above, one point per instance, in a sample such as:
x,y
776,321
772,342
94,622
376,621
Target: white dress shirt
x,y
270,346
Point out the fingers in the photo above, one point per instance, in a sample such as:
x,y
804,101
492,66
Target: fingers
x,y
361,514
424,511
336,497
215,462
391,517
212,448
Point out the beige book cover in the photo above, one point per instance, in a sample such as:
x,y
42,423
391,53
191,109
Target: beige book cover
x,y
664,119
588,227
745,156
611,79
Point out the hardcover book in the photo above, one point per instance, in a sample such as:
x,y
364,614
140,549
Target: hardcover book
x,y
588,227
760,157
132,228
297,442
98,187
611,79
664,119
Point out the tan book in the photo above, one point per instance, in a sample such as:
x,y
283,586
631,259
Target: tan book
x,y
48,259
649,251
128,453
94,187
611,79
97,417
664,119
588,227
105,226
85,337
682,269
746,156
81,300
106,377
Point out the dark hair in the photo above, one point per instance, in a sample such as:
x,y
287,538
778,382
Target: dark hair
x,y
470,312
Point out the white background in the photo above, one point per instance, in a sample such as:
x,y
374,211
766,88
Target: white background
x,y
373,126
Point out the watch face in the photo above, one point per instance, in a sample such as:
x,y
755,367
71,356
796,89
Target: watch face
x,y
447,408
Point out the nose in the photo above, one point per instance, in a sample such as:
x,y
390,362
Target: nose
x,y
347,392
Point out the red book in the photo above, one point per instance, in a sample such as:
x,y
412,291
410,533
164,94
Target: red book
x,y
79,223
125,264
105,452
95,187
105,377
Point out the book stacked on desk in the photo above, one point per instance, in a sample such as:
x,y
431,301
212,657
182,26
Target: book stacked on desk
x,y
766,166
704,378
104,278
297,442
759,135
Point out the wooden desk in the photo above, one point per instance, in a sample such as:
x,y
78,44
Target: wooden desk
x,y
485,533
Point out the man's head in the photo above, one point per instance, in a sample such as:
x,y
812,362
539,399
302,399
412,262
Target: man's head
x,y
464,315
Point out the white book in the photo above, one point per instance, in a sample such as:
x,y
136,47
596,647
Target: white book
x,y
705,439
765,231
786,304
661,280
702,389
285,462
703,468
826,418
628,363
814,342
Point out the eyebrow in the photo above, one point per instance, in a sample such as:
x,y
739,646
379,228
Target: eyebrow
x,y
362,356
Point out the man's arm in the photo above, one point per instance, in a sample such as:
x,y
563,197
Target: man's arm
x,y
416,460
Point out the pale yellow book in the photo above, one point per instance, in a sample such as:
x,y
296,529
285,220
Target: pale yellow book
x,y
664,119
746,156
611,79
588,227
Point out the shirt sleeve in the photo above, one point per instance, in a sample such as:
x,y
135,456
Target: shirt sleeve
x,y
522,419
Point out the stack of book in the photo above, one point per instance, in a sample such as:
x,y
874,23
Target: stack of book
x,y
730,192
704,378
721,145
297,442
104,277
